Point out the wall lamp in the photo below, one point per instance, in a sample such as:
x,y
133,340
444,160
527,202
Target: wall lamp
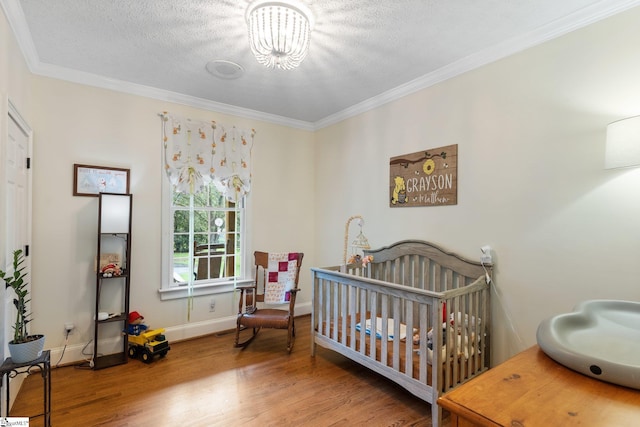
x,y
623,144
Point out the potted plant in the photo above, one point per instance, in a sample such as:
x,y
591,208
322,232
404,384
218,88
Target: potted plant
x,y
24,347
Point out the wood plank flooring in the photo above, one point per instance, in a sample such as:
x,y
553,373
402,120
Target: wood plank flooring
x,y
207,382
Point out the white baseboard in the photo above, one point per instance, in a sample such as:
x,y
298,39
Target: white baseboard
x,y
73,353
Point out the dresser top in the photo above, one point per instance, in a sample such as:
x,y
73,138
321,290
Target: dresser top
x,y
531,389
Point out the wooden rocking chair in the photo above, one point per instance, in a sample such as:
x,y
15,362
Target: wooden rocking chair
x,y
250,316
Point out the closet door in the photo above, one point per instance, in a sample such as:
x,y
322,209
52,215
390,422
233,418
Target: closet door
x,y
16,223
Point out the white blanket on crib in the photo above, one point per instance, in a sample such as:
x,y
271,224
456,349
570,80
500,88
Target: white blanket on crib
x,y
464,337
378,328
463,352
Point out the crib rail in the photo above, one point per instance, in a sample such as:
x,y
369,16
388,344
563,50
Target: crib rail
x,y
341,302
411,287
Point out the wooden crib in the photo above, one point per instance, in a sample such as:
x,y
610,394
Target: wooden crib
x,y
416,314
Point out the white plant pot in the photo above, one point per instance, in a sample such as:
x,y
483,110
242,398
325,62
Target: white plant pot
x,y
27,351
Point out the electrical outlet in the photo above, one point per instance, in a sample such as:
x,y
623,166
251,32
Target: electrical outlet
x,y
68,327
486,254
212,305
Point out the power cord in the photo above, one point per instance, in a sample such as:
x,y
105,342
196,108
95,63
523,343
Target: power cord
x,y
66,341
487,276
88,363
506,311
486,256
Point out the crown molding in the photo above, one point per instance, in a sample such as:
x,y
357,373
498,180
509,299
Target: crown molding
x,y
582,18
89,79
586,16
18,24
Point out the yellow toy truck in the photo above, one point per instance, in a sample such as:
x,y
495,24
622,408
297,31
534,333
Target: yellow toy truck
x,y
148,344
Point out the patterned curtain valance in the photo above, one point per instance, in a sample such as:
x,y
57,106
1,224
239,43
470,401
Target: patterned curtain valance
x,y
197,153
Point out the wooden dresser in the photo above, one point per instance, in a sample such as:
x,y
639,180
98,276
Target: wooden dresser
x,y
532,390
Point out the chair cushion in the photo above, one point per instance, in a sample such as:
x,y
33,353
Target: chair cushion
x,y
266,318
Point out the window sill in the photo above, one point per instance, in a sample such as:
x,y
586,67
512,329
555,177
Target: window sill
x,y
178,292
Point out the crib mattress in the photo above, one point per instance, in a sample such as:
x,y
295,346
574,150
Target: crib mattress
x,y
456,363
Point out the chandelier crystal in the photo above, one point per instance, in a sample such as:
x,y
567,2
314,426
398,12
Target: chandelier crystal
x,y
279,33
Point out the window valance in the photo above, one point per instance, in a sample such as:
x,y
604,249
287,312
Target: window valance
x,y
197,153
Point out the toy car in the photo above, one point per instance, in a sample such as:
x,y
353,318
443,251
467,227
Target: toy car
x,y
148,344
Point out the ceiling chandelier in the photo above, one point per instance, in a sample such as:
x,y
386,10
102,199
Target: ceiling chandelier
x,y
279,32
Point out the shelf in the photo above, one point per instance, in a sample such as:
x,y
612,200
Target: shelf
x,y
108,360
114,247
122,276
119,318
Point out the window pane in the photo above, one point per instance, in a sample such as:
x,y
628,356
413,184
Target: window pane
x,y
215,235
200,221
181,243
230,264
238,263
209,197
237,227
180,267
181,221
210,262
216,199
180,199
218,228
200,239
201,199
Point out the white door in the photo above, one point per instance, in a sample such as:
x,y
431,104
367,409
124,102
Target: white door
x,y
15,226
16,230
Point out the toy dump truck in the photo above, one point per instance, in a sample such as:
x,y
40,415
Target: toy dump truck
x,y
148,344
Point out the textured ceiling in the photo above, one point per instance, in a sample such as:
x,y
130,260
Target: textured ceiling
x,y
363,52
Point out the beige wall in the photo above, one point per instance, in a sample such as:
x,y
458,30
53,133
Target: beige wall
x,y
79,124
14,87
530,131
13,69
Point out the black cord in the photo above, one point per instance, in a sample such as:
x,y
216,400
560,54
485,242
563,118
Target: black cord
x,y
66,340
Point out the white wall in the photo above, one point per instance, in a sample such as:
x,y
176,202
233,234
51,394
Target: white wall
x,y
14,87
79,124
530,131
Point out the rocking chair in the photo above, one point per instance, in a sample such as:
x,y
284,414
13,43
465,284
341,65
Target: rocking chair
x,y
276,282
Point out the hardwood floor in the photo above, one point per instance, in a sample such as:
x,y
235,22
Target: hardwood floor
x,y
207,382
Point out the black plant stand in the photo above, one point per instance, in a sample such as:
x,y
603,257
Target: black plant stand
x,y
11,370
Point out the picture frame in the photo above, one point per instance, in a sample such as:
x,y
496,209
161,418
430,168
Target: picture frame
x,y
91,180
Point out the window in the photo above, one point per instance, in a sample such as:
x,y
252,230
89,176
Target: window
x,y
208,171
212,227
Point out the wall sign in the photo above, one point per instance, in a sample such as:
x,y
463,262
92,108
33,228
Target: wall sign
x,y
92,180
425,178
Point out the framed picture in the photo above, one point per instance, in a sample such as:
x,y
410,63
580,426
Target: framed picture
x,y
93,180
